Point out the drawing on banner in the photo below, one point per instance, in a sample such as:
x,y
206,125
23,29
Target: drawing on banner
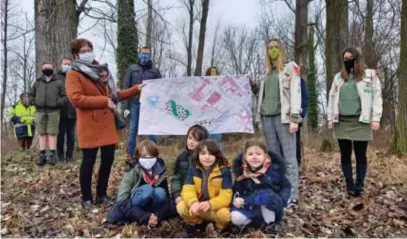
x,y
223,104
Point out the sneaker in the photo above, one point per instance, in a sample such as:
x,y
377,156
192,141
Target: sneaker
x,y
292,203
359,188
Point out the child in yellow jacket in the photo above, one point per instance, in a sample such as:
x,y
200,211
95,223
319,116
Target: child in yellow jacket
x,y
207,191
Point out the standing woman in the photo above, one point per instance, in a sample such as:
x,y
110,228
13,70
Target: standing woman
x,y
213,71
280,107
354,109
92,91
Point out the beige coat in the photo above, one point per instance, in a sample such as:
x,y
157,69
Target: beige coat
x,y
290,94
370,93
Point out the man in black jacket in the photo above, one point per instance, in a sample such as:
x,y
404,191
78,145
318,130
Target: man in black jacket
x,y
136,74
67,121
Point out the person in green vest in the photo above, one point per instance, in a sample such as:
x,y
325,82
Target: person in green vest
x,y
22,115
354,110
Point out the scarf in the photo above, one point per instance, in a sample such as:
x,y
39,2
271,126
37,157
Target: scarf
x,y
247,173
98,73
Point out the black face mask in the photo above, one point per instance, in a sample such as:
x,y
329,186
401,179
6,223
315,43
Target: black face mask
x,y
349,64
47,71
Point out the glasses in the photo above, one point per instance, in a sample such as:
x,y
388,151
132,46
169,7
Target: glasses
x,y
85,51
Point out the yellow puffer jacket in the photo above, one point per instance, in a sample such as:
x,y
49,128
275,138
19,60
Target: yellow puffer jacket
x,y
215,187
25,128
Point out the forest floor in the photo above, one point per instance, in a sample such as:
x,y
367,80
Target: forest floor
x,y
45,201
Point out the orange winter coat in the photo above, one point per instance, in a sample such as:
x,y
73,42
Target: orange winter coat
x,y
95,120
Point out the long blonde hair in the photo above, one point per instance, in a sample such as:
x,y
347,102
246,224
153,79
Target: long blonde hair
x,y
281,56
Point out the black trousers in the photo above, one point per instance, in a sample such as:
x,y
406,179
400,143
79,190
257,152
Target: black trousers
x,y
359,147
298,139
66,127
85,176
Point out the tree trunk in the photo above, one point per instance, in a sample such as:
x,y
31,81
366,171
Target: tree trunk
x,y
56,25
311,84
369,50
5,12
149,23
127,40
400,138
190,36
301,26
334,38
202,36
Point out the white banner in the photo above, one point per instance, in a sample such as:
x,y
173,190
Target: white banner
x,y
223,104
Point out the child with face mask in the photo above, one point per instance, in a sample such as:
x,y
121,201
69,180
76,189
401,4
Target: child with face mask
x,y
261,190
143,194
207,191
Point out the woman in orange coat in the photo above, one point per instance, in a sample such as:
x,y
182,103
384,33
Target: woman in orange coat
x,y
92,91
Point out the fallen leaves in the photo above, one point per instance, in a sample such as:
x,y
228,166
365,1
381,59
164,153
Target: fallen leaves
x,y
45,202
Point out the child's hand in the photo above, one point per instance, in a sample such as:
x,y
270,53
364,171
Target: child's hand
x,y
238,202
193,210
153,220
204,206
178,200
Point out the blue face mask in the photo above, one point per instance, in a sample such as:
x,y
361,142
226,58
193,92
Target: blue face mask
x,y
144,58
66,68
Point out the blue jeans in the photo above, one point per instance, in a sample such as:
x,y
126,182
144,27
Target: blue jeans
x,y
146,194
133,131
217,138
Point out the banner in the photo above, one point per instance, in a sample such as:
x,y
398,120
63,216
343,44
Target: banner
x,y
223,104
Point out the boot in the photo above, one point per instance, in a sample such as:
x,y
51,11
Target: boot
x,y
359,189
350,187
52,159
348,174
42,160
360,179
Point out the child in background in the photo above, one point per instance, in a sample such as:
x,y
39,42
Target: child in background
x,y
143,194
261,190
207,191
195,134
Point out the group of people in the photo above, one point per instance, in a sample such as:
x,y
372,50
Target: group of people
x,y
202,189
47,111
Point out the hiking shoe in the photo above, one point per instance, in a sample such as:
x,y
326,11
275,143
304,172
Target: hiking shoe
x,y
42,160
52,159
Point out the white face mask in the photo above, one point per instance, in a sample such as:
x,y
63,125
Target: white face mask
x,y
147,163
87,57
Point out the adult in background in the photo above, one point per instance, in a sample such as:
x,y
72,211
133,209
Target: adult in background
x,y
279,106
137,74
354,110
304,109
48,96
22,115
92,91
67,121
213,71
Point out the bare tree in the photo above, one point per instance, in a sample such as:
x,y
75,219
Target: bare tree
x,y
149,23
189,5
241,46
5,10
335,10
56,24
202,36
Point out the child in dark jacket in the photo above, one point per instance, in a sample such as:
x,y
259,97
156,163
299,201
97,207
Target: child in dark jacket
x,y
261,190
195,134
143,194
